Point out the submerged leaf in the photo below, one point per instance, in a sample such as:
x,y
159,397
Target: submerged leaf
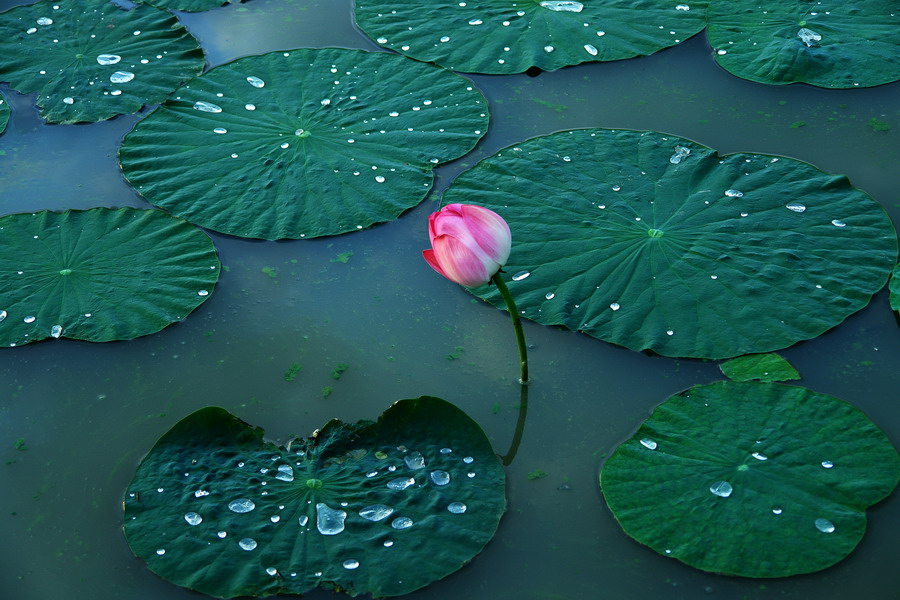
x,y
498,36
4,113
751,479
761,367
382,508
100,274
852,43
653,241
303,143
89,61
895,289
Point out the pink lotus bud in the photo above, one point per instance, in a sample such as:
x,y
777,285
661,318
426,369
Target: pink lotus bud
x,y
469,243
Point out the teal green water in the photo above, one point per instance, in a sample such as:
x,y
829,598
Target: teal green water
x,y
88,412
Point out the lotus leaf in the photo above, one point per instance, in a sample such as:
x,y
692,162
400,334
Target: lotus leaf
x,y
382,508
751,479
760,367
303,143
89,60
655,242
852,43
187,5
500,36
100,274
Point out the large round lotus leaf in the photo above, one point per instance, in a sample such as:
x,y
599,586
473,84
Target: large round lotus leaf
x,y
100,274
836,45
303,143
382,508
751,479
4,113
653,241
89,60
500,36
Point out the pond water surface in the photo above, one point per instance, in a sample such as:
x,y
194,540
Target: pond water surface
x,y
88,412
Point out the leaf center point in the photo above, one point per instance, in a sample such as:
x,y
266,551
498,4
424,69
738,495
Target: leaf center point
x,y
65,271
313,484
655,233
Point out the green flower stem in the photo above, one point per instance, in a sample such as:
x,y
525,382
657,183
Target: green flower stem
x,y
517,325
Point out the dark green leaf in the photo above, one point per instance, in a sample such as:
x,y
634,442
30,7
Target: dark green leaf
x,y
382,508
751,479
852,43
303,143
761,367
100,274
656,242
90,60
498,36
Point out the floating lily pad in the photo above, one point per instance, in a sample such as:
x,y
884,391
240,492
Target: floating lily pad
x,y
303,143
895,289
100,274
4,113
499,36
751,479
845,44
382,508
760,367
188,5
652,241
90,60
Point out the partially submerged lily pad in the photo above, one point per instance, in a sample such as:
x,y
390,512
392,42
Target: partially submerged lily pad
x,y
499,36
4,113
382,508
759,367
100,274
188,5
852,43
751,479
303,143
653,241
895,289
91,60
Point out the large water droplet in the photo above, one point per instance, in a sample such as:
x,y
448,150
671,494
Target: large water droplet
x,y
809,37
207,107
45,21
591,49
328,520
562,6
56,331
351,564
776,510
414,460
838,223
247,544
827,464
220,130
440,477
400,484
256,82
759,456
734,193
648,443
285,473
824,525
108,59
796,207
615,306
121,77
402,523
272,571
2,314
457,508
376,512
681,153
520,275
722,489
193,518
241,505
29,319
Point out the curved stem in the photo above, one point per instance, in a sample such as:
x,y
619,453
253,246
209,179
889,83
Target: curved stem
x,y
517,325
520,427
